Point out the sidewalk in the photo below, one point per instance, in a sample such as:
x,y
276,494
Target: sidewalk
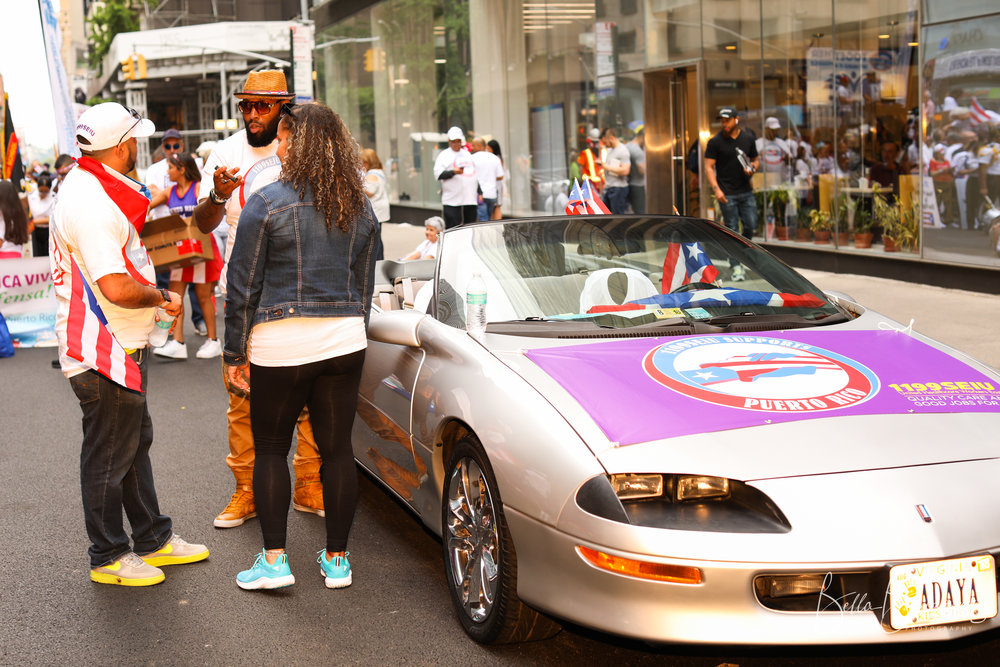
x,y
968,321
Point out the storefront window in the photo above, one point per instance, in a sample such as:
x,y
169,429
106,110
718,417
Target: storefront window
x,y
961,150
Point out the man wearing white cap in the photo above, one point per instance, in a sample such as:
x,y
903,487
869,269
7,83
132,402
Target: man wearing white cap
x,y
237,167
459,185
775,154
95,249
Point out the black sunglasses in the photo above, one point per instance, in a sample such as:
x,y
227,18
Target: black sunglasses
x,y
287,108
260,106
138,119
172,146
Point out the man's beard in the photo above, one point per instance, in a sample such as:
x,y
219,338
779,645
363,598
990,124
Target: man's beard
x,y
265,138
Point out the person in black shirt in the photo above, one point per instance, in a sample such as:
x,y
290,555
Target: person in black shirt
x,y
730,161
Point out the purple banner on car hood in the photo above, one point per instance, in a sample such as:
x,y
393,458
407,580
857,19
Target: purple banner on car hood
x,y
644,389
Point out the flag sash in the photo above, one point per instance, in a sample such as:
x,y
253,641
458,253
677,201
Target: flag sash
x,y
90,341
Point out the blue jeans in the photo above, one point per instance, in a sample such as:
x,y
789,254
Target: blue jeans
x,y
616,200
739,207
484,210
115,469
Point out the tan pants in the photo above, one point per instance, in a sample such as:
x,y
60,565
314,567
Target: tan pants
x,y
241,454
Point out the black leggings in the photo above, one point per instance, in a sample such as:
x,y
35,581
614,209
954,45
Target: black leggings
x,y
278,394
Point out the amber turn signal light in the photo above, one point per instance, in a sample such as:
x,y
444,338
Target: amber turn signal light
x,y
675,574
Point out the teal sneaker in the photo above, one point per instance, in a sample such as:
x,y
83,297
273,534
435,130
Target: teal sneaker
x,y
265,575
336,570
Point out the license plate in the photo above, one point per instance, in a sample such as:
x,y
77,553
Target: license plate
x,y
942,591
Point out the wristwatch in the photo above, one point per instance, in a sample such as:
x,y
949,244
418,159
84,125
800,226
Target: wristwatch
x,y
166,298
218,201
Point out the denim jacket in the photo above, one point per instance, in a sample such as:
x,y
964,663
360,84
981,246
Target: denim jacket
x,y
286,264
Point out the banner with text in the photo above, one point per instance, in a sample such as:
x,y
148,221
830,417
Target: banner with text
x,y
28,301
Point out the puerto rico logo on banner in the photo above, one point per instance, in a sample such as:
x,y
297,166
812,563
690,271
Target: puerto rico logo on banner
x,y
761,374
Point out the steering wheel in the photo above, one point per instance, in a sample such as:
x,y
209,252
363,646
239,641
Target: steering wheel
x,y
687,287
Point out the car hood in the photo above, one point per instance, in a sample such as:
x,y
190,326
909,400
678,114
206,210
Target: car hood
x,y
761,406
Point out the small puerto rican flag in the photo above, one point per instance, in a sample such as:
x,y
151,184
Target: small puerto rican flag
x,y
593,203
89,340
686,263
575,205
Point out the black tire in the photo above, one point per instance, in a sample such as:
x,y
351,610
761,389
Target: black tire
x,y
476,544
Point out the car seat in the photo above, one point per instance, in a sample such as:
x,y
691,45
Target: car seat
x,y
607,287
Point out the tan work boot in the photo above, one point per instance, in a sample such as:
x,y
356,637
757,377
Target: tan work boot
x,y
240,508
308,495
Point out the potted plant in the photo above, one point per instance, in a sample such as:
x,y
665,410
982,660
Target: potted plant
x,y
862,226
842,206
898,228
821,224
802,232
778,201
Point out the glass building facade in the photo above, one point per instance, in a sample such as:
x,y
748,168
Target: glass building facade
x,y
873,117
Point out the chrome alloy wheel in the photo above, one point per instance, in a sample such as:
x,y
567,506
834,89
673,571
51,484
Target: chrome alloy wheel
x,y
472,541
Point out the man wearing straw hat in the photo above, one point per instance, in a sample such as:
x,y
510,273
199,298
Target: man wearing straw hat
x,y
238,166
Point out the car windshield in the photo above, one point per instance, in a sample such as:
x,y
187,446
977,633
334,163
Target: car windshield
x,y
622,272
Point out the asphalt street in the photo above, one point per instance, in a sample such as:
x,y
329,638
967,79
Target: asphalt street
x,y
397,611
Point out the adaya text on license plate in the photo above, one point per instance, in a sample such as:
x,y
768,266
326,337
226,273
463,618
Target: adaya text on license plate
x,y
943,591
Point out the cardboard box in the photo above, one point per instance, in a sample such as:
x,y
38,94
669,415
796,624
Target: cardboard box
x,y
174,242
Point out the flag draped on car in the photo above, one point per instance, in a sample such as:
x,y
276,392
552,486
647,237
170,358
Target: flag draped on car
x,y
717,297
686,263
90,341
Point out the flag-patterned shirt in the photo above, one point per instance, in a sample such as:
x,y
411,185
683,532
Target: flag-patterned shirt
x,y
88,227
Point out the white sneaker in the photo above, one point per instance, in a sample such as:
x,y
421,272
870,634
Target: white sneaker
x,y
172,350
739,273
210,349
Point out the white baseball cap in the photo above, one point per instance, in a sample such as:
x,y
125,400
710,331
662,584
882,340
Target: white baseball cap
x,y
772,123
455,133
108,124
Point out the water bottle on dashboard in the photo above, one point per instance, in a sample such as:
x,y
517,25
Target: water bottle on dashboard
x,y
475,306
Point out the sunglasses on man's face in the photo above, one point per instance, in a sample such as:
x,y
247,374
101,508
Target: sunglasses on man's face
x,y
172,146
260,106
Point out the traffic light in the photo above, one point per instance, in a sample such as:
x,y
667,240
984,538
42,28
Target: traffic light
x,y
379,60
369,61
128,68
141,69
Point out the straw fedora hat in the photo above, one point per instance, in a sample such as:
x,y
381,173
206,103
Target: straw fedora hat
x,y
265,83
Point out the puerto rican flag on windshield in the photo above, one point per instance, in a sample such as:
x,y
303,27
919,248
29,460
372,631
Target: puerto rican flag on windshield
x,y
583,202
717,297
686,263
89,341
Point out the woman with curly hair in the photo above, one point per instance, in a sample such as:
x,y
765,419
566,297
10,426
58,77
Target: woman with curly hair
x,y
300,284
13,222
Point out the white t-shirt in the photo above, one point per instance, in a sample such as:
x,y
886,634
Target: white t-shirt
x,y
773,155
489,170
235,151
295,341
40,208
87,226
989,154
461,189
375,181
427,249
156,175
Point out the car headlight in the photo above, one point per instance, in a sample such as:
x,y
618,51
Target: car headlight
x,y
682,502
678,487
701,487
634,487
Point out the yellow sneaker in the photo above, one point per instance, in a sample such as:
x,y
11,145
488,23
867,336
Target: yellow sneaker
x,y
240,508
176,552
128,570
308,495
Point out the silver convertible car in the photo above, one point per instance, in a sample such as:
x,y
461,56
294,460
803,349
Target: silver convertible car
x,y
666,433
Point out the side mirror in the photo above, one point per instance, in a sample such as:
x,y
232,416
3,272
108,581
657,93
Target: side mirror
x,y
396,327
